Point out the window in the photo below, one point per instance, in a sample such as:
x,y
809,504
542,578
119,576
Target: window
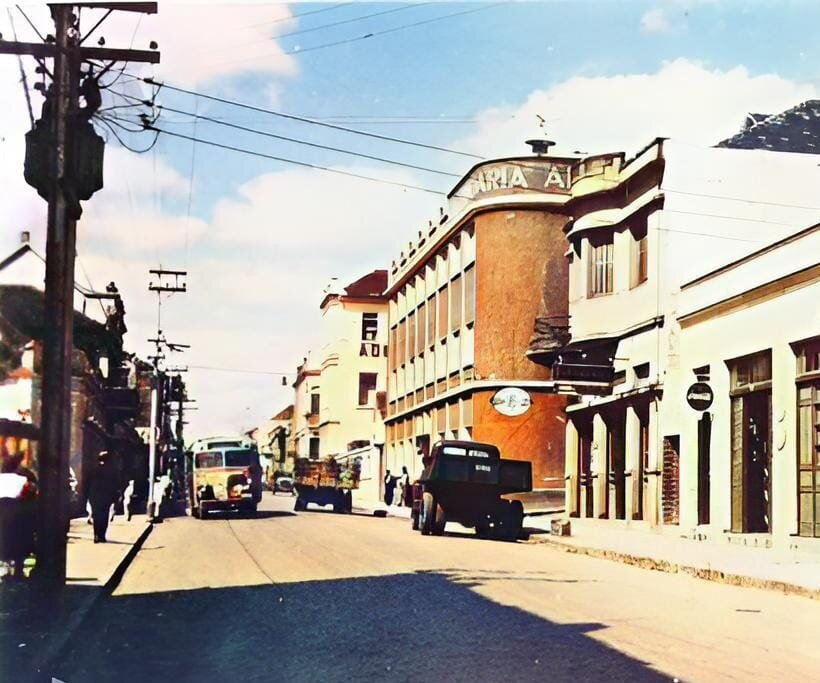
x,y
367,383
314,448
600,269
808,438
639,258
751,370
392,348
370,326
239,458
411,335
455,304
431,320
400,344
442,312
469,295
314,404
207,460
421,328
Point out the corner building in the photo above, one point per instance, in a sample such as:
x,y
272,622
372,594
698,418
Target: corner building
x,y
462,300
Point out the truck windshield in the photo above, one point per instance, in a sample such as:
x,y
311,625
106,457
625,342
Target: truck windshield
x,y
238,458
206,460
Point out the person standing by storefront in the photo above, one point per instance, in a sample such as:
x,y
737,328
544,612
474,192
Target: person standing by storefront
x,y
102,493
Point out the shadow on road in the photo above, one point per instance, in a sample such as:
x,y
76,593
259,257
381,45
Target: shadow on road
x,y
242,514
415,626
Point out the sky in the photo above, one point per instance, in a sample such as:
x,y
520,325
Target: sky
x,y
261,239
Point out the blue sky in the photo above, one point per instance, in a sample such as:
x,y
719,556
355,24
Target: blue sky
x,y
262,238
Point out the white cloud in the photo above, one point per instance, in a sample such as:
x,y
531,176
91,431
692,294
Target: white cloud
x,y
655,21
683,99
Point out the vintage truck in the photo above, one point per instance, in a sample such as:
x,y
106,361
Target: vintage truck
x,y
325,482
463,482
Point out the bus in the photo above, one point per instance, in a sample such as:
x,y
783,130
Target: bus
x,y
225,474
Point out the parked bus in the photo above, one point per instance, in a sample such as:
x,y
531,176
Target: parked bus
x,y
225,474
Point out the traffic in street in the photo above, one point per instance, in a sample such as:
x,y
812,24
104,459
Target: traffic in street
x,y
285,596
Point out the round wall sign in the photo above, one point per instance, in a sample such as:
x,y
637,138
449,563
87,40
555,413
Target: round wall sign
x,y
511,401
699,396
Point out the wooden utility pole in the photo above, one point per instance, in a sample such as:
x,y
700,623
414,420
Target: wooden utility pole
x,y
60,113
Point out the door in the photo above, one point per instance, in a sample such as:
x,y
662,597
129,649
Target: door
x,y
585,488
751,463
616,459
639,477
704,465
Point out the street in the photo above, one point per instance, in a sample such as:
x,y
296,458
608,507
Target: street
x,y
317,596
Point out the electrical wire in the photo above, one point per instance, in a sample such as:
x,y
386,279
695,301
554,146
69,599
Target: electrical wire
x,y
262,155
352,20
297,141
240,370
30,23
297,16
302,119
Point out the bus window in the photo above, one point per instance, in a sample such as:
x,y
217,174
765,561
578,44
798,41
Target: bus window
x,y
205,460
238,458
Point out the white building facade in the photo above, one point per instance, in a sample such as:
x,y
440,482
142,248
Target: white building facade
x,y
672,214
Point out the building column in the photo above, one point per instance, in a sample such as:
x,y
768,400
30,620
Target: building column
x,y
654,479
599,466
571,470
784,446
632,442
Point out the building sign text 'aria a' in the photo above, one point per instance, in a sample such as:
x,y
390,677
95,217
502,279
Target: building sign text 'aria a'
x,y
536,176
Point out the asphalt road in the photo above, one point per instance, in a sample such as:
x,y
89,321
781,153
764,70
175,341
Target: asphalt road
x,y
321,597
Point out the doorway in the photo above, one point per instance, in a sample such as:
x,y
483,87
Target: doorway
x,y
616,465
585,490
751,463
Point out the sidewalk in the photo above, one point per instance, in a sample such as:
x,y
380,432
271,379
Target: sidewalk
x,y
716,560
33,633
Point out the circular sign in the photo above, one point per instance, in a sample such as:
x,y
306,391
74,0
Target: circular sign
x,y
511,401
699,396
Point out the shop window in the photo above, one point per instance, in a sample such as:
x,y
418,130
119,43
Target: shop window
x,y
600,268
808,438
639,269
367,383
370,326
314,448
469,295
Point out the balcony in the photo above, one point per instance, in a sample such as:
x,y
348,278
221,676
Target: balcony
x,y
312,420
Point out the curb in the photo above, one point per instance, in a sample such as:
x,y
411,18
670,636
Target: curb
x,y
714,575
53,650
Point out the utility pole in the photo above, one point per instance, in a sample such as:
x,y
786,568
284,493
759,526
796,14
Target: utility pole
x,y
59,185
168,282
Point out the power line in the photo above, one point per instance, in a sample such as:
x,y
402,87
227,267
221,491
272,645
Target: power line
x,y
741,199
352,20
302,119
293,161
297,16
239,370
30,23
372,34
296,140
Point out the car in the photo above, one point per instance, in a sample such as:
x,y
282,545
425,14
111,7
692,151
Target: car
x,y
284,484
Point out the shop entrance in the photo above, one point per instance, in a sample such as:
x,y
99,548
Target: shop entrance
x,y
585,491
616,465
751,463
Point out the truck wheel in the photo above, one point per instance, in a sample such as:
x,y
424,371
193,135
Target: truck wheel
x,y
515,515
440,521
428,508
300,504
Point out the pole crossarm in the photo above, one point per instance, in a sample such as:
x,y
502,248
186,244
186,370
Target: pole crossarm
x,y
48,51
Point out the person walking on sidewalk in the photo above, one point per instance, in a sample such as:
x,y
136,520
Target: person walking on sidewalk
x,y
389,487
102,492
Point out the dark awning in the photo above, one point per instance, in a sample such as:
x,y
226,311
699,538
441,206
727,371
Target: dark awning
x,y
20,430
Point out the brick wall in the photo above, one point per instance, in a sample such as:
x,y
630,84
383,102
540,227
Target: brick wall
x,y
670,492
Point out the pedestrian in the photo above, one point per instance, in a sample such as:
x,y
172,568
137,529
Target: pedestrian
x,y
127,499
102,492
406,488
18,501
389,487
